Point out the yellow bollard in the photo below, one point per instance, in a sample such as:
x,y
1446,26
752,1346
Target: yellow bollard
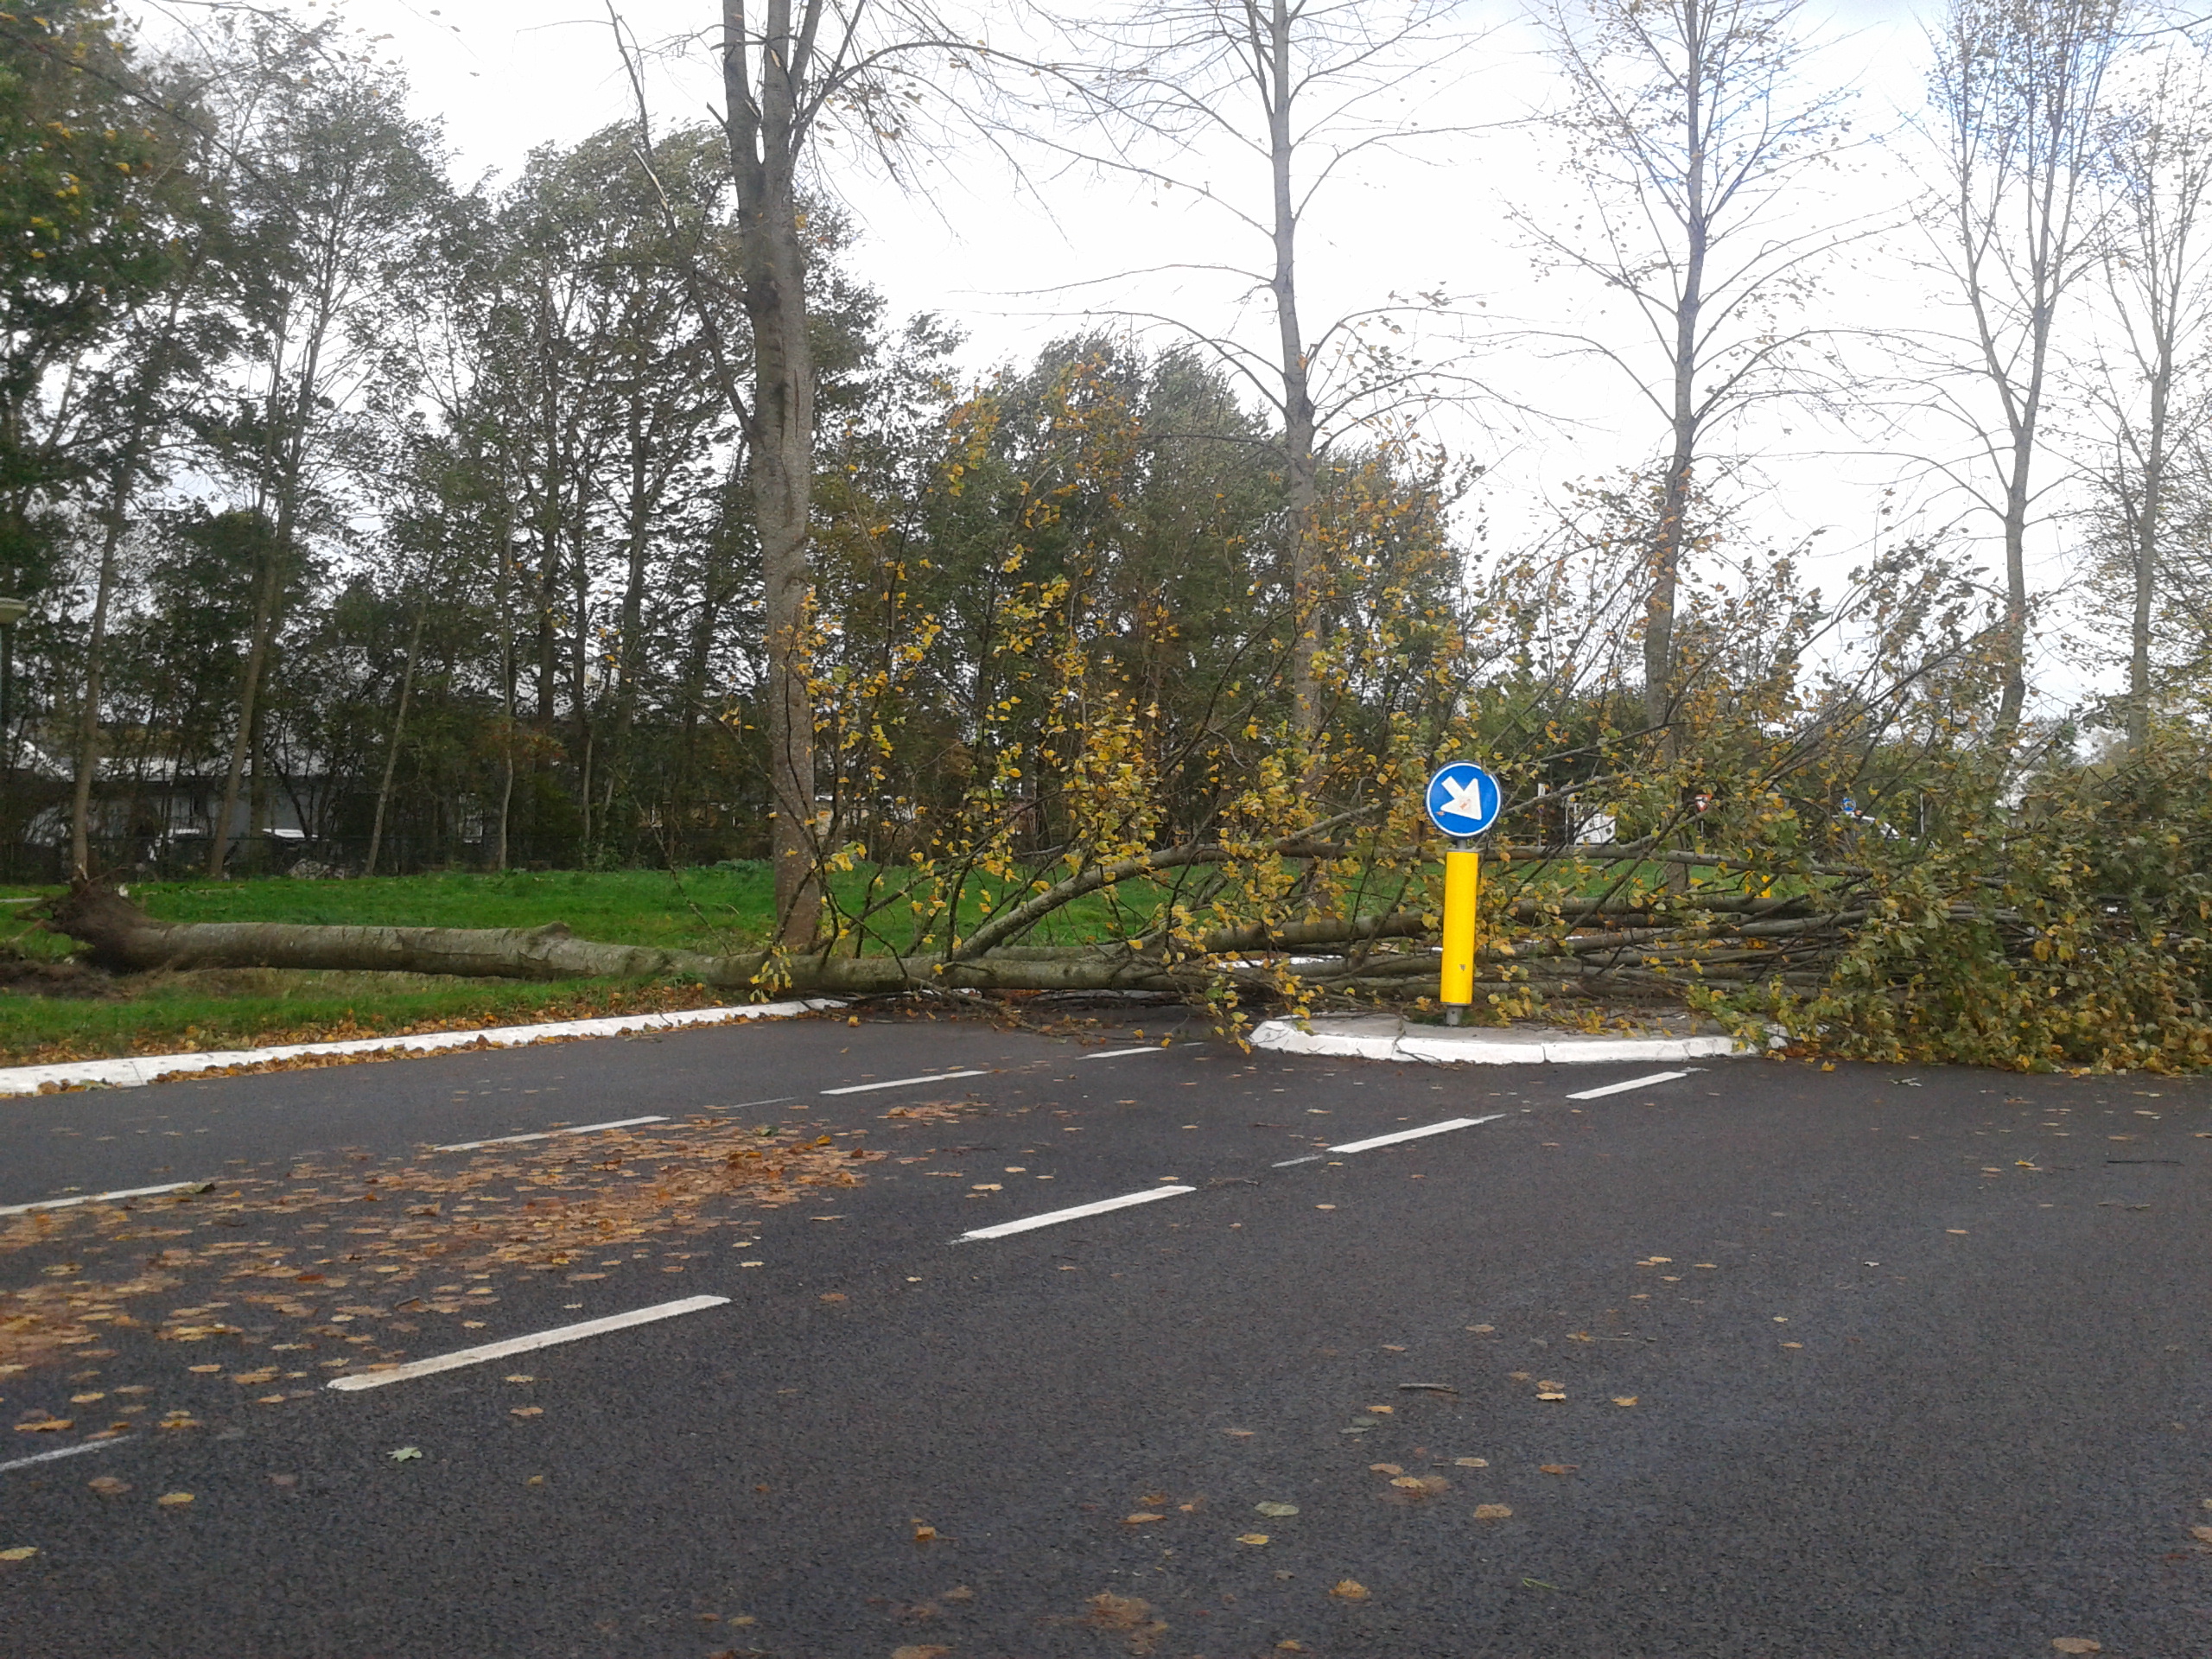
x,y
1463,882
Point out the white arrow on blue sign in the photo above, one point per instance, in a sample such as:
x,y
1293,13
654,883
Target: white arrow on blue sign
x,y
1463,799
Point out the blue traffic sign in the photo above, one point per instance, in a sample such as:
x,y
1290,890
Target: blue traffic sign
x,y
1463,799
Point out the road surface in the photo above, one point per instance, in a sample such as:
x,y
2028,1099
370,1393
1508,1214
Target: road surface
x,y
1756,1359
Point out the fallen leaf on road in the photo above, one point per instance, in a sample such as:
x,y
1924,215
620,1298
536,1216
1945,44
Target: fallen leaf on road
x,y
20,1553
1255,1539
1238,1433
1559,1468
1553,1395
2077,1645
924,1535
1471,1462
250,1377
833,1296
1141,1517
1325,1207
174,1500
1349,1590
1273,1510
1961,1231
1624,1399
84,1399
1131,1615
108,1485
1409,1482
202,1370
1793,1344
1387,1468
2203,1535
1482,1330
405,1454
46,1426
932,1651
1492,1512
525,1411
519,1379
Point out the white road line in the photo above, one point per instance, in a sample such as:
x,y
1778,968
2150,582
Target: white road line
x,y
1449,1123
1052,1218
1310,1158
1118,1053
1623,1088
50,1457
95,1197
902,1082
547,1134
559,1334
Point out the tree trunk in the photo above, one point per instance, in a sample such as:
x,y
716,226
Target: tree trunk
x,y
264,609
1667,539
88,717
398,726
1301,466
764,132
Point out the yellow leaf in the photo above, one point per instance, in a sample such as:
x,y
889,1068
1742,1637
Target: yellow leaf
x,y
1492,1512
1141,1516
1255,1539
1472,1463
525,1411
174,1500
1386,1468
1350,1589
2077,1645
20,1553
1624,1399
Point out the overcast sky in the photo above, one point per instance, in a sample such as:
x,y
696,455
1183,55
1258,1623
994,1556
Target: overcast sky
x,y
505,76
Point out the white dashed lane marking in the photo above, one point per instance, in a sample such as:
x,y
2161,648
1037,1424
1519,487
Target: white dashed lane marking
x,y
1633,1083
1052,1218
1119,1054
1448,1124
547,1134
902,1082
558,1334
54,1456
98,1198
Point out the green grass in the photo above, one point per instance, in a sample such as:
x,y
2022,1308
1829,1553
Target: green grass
x,y
167,1013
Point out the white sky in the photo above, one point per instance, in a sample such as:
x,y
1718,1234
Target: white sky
x,y
506,75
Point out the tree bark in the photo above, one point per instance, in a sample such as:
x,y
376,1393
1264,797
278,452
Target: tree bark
x,y
1271,47
764,124
398,726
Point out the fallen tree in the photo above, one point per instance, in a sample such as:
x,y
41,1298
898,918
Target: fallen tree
x,y
1387,956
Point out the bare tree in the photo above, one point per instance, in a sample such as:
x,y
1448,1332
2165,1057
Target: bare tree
x,y
1295,90
1695,133
2017,93
2158,267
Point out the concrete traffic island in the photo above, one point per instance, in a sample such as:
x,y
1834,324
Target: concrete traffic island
x,y
1388,1037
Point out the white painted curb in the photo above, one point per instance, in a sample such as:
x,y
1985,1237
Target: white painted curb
x,y
140,1069
1389,1040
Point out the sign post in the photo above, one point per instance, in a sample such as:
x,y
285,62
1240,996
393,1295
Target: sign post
x,y
1463,802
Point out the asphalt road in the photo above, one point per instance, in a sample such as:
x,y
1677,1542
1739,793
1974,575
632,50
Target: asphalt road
x,y
1848,1363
